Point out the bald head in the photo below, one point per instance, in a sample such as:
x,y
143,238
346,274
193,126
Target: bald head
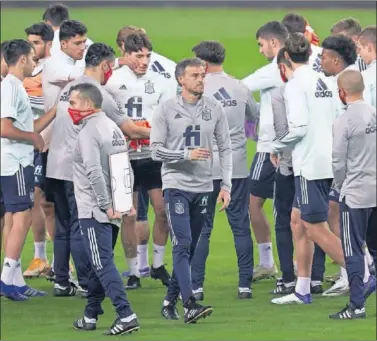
x,y
351,81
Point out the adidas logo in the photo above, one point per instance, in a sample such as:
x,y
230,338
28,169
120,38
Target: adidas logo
x,y
118,139
332,192
322,89
204,211
225,99
157,67
178,116
123,87
371,128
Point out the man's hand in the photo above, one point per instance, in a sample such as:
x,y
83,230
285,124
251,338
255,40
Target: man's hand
x,y
127,61
132,212
113,214
274,158
38,142
223,197
199,154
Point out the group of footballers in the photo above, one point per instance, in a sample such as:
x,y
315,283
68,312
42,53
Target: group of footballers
x,y
68,103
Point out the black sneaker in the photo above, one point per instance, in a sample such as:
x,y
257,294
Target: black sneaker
x,y
50,275
195,311
316,289
170,312
81,324
349,313
162,274
282,288
245,295
60,291
120,328
133,283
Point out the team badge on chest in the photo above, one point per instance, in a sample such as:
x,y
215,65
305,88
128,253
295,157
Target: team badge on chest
x,y
149,88
206,114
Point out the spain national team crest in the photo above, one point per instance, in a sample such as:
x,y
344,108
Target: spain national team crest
x,y
206,114
149,88
179,208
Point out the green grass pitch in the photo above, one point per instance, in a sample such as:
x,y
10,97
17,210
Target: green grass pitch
x,y
173,32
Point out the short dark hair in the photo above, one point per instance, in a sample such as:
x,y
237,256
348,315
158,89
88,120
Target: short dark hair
x,y
298,49
97,53
135,42
294,23
71,28
273,29
14,49
368,34
89,91
349,26
56,14
343,46
3,47
184,64
210,51
42,30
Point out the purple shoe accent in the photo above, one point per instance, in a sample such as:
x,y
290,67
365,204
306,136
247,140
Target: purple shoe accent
x,y
10,292
307,299
30,292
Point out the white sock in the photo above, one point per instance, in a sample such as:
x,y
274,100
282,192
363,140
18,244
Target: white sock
x,y
133,267
303,285
366,269
89,320
18,278
7,274
142,256
343,274
40,250
368,256
265,255
52,263
129,318
158,255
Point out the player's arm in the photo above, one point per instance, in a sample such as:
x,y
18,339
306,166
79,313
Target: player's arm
x,y
339,150
279,111
264,78
61,75
42,122
222,138
297,116
9,95
158,140
90,150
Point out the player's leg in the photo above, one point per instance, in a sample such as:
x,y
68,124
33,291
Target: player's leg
x,y
177,204
198,262
354,226
262,177
372,237
283,199
39,261
153,183
304,249
198,207
79,255
129,242
318,270
142,231
98,242
239,221
18,192
62,287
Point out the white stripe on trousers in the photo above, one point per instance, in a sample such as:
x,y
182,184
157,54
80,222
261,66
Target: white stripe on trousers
x,y
258,166
94,248
21,182
304,191
174,238
346,234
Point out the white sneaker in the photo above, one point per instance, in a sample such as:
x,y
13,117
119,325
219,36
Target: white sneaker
x,y
340,288
262,272
293,299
